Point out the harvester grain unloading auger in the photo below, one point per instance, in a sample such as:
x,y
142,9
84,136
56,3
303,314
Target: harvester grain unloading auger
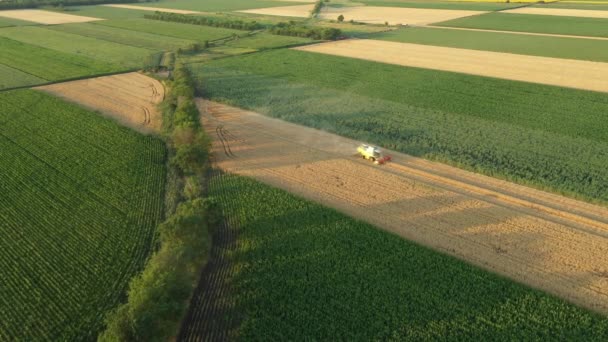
x,y
372,153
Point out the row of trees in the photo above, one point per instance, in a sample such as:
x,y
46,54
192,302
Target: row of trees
x,y
291,28
159,296
206,21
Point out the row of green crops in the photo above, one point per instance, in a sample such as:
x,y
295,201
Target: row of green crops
x,y
81,197
558,47
330,275
127,37
594,27
122,55
176,30
546,136
11,78
45,63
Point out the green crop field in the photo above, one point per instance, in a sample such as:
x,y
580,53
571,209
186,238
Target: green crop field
x,y
6,22
592,27
584,6
177,30
11,78
300,271
558,47
81,197
546,136
453,5
127,37
267,41
47,64
126,57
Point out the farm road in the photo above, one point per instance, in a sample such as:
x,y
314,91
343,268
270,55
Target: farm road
x,y
541,239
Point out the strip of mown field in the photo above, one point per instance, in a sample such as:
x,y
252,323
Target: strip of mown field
x,y
303,271
81,197
126,57
11,78
123,36
592,27
47,64
472,6
546,136
105,12
163,28
570,48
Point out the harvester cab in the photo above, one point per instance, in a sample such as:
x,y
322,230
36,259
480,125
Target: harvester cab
x,y
372,153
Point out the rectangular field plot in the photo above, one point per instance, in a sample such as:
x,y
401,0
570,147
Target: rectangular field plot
x,y
163,28
592,27
125,37
301,11
217,5
394,15
11,78
452,5
550,137
551,71
122,55
547,46
49,64
81,197
45,17
560,12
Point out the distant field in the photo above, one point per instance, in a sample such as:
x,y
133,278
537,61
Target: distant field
x,y
127,37
105,12
592,27
10,78
267,41
473,6
183,31
81,197
330,275
570,48
217,5
48,64
594,7
5,22
122,55
546,136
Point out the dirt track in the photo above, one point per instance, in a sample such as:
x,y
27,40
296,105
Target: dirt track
x,y
45,17
544,240
129,98
545,70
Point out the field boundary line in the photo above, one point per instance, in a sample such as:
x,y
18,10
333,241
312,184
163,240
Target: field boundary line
x,y
514,32
70,79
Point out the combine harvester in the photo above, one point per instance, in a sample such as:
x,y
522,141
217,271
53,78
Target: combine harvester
x,y
372,153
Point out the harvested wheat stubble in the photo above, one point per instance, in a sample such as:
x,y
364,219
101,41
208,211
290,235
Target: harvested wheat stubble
x,y
45,17
129,98
562,12
153,9
541,239
394,15
284,11
568,73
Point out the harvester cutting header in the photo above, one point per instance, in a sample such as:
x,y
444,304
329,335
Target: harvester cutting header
x,y
372,153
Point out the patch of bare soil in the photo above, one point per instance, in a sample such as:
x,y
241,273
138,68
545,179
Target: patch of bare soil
x,y
45,17
129,98
547,241
393,15
545,70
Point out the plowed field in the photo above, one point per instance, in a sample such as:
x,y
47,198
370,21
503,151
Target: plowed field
x,y
129,98
544,70
541,239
